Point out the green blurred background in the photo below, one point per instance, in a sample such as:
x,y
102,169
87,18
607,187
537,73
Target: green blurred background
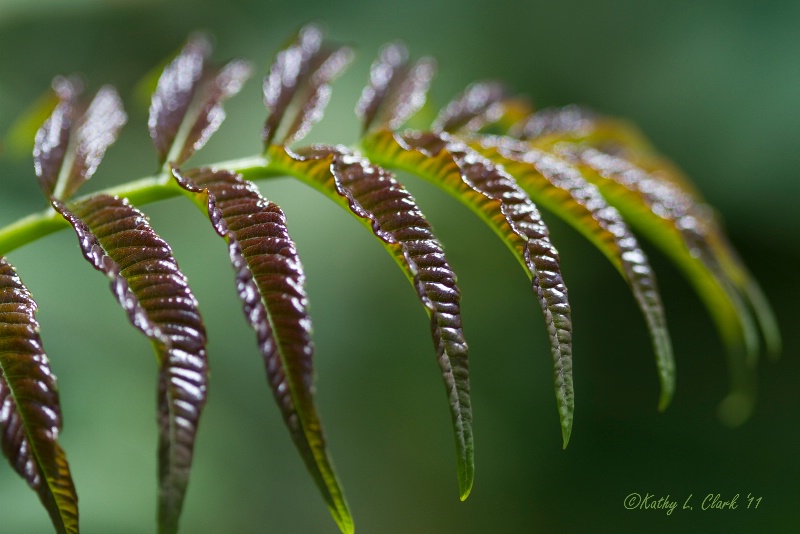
x,y
714,85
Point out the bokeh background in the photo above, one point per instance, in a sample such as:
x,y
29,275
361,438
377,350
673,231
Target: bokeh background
x,y
714,85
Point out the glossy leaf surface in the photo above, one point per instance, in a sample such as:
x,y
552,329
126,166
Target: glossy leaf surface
x,y
186,108
685,230
117,240
174,94
30,414
396,89
560,188
67,150
50,143
381,203
271,285
495,197
478,105
548,127
301,74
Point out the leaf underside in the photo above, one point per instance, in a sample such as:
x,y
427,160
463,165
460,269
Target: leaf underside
x,y
381,203
687,231
117,240
555,129
659,201
495,197
270,283
30,414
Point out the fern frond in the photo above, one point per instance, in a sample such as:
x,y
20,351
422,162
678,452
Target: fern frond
x,y
486,149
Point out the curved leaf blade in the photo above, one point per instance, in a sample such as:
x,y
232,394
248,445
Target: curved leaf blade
x,y
495,197
30,414
174,95
381,203
318,92
117,240
67,150
685,230
52,138
95,132
479,104
547,128
286,75
271,285
209,112
561,189
395,91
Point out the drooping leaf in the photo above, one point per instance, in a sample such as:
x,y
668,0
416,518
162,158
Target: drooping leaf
x,y
547,128
301,74
117,240
494,195
30,414
686,231
186,108
382,204
395,91
271,285
560,188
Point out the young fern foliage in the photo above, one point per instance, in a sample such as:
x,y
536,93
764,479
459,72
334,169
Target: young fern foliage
x,y
487,149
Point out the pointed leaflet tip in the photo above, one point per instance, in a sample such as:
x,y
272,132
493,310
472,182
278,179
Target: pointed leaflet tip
x,y
684,229
117,240
300,78
30,414
382,204
271,285
494,195
561,188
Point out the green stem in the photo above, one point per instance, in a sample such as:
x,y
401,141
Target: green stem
x,y
142,191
